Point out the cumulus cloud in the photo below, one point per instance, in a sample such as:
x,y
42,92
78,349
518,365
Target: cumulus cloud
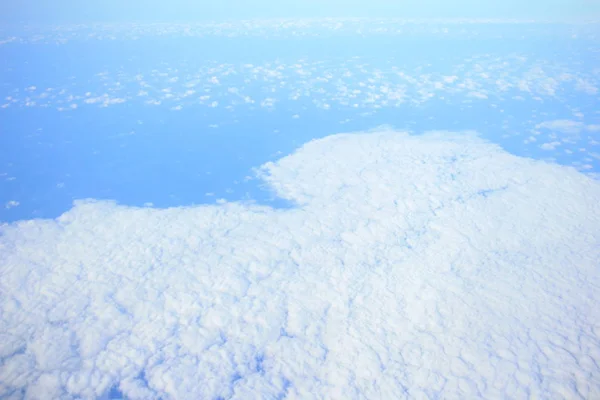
x,y
550,145
421,266
562,125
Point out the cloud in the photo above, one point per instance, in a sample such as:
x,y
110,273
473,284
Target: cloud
x,y
477,95
593,128
11,204
563,126
550,145
432,265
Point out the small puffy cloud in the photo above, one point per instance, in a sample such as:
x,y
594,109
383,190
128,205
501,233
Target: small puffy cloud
x,y
593,128
8,40
11,204
268,102
477,95
188,92
550,145
587,87
114,100
436,265
562,125
450,79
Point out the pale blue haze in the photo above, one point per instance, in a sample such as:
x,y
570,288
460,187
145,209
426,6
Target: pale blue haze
x,y
46,11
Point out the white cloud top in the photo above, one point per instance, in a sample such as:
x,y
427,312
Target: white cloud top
x,y
412,267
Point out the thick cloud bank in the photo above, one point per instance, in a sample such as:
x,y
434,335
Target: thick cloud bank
x,y
413,267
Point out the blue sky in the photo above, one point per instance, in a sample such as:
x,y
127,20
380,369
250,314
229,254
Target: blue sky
x,y
177,10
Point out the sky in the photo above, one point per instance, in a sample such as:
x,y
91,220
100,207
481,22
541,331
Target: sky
x,y
432,264
68,11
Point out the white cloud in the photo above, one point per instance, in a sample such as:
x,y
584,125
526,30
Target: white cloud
x,y
11,204
562,125
269,102
586,87
593,128
477,95
450,79
377,88
8,40
550,145
433,265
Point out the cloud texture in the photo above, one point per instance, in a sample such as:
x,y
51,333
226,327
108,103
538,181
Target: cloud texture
x,y
412,267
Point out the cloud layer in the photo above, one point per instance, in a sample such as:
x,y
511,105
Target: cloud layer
x,y
412,267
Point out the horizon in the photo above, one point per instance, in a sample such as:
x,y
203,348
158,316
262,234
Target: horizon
x,y
64,12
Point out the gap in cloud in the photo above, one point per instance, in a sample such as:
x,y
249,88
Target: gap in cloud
x,y
171,159
168,160
115,394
